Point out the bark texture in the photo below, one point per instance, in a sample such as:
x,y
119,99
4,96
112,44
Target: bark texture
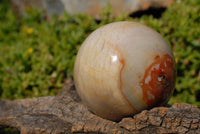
x,y
64,113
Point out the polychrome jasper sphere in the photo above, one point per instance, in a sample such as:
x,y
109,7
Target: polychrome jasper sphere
x,y
123,68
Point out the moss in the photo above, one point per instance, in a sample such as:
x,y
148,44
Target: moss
x,y
36,55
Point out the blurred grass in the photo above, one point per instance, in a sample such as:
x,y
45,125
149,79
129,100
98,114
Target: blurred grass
x,y
36,55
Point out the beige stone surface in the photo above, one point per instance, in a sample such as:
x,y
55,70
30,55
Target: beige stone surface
x,y
90,7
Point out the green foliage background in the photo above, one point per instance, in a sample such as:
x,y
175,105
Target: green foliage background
x,y
37,55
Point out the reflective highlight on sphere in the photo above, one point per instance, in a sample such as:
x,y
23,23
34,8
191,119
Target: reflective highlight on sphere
x,y
123,68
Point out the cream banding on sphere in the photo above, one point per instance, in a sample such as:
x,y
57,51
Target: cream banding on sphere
x,y
123,68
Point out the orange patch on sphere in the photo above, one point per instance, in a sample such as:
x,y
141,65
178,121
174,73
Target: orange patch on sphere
x,y
158,81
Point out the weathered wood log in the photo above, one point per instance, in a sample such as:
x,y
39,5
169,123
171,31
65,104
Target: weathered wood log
x,y
64,113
